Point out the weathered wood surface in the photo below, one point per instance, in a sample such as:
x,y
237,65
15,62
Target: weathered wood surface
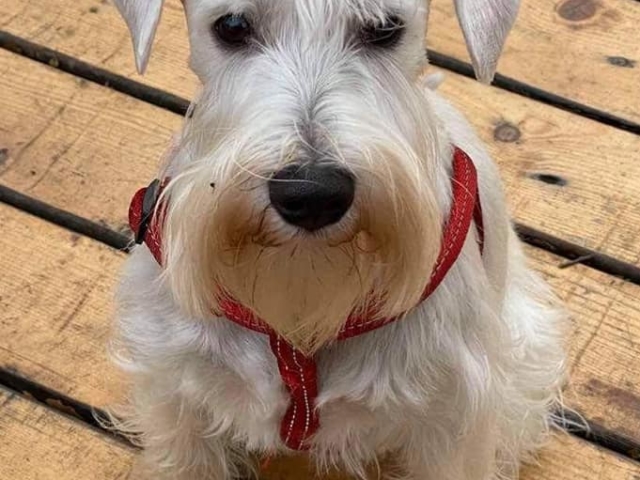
x,y
593,169
571,459
86,149
585,50
93,31
56,308
37,443
76,145
604,341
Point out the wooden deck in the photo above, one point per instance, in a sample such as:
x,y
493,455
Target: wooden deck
x,y
563,121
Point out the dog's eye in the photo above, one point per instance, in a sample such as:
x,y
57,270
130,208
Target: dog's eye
x,y
234,30
384,35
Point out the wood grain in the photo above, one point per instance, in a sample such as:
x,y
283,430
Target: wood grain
x,y
75,145
86,149
570,459
56,307
92,30
37,443
585,50
604,343
565,175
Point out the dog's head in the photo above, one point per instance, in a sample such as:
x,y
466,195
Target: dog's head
x,y
309,181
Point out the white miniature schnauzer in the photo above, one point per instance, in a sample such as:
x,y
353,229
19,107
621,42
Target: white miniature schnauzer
x,y
328,263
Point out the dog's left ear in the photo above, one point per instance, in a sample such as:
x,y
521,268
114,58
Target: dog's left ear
x,y
142,17
486,24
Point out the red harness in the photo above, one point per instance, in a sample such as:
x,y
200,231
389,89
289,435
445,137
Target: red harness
x,y
298,371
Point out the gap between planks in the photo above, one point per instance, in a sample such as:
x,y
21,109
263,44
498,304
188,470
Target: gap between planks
x,y
40,443
529,91
89,415
577,53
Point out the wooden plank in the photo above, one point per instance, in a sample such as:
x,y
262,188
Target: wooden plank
x,y
585,50
40,444
73,144
567,458
566,175
86,149
93,31
37,443
56,307
604,366
57,311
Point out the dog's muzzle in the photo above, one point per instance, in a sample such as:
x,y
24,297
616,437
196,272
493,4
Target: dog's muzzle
x,y
297,370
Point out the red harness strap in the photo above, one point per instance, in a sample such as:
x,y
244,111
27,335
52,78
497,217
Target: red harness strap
x,y
297,370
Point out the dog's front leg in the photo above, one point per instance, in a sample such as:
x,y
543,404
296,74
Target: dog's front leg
x,y
178,445
442,455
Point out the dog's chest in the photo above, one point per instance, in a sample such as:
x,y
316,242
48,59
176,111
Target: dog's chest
x,y
358,397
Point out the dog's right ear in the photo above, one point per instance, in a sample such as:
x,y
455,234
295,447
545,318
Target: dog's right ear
x,y
142,17
486,24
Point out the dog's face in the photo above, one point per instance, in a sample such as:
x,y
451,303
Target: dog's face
x,y
305,183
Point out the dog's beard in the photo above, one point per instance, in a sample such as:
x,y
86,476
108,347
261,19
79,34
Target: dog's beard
x,y
227,241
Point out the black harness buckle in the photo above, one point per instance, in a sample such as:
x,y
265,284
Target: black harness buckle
x,y
148,207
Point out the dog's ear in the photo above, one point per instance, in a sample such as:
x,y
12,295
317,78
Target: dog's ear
x,y
486,24
142,17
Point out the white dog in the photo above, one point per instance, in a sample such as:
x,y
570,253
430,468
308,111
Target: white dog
x,y
324,270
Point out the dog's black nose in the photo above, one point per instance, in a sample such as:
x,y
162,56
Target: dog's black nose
x,y
312,196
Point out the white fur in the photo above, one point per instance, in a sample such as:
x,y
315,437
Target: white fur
x,y
142,18
485,25
460,389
